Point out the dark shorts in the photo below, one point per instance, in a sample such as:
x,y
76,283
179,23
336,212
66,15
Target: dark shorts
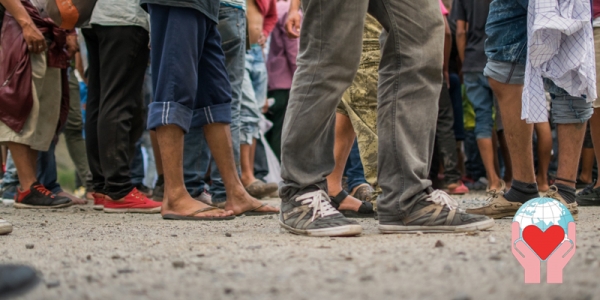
x,y
191,86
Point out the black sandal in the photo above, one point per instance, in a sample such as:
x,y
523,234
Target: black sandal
x,y
364,211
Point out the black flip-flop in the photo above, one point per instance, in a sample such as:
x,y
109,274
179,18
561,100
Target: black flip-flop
x,y
364,211
193,216
255,212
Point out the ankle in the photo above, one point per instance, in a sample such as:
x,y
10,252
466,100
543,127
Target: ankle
x,y
522,191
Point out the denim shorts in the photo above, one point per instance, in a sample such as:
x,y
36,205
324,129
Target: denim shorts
x,y
191,85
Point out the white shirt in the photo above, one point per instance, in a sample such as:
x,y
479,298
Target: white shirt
x,y
560,48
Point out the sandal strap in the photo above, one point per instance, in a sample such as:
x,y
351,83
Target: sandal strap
x,y
259,207
202,210
366,208
337,200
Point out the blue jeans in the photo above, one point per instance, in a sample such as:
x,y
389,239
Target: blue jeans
x,y
254,94
354,168
196,159
481,96
10,176
46,169
456,98
232,27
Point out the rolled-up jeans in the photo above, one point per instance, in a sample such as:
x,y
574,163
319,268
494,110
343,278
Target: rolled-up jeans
x,y
232,27
410,78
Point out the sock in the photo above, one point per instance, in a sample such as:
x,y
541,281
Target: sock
x,y
522,192
567,192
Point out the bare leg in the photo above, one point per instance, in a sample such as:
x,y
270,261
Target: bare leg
x,y
587,165
570,141
595,130
157,156
344,138
25,160
517,132
486,149
218,137
544,153
247,162
177,200
506,157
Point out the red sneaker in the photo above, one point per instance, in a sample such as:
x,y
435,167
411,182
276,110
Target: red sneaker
x,y
98,201
134,202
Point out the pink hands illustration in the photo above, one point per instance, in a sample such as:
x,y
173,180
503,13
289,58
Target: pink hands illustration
x,y
526,257
530,261
561,256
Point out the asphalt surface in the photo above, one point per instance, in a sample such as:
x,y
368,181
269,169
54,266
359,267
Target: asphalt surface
x,y
84,254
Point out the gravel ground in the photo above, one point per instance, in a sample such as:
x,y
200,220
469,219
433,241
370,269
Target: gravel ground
x,y
83,254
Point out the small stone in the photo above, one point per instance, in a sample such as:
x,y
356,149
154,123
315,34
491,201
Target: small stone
x,y
228,234
495,257
173,235
492,239
89,257
461,253
439,244
178,264
116,256
125,271
462,297
29,246
366,278
200,255
52,284
348,258
228,291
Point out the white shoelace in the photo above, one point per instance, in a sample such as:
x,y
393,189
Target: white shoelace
x,y
319,202
442,198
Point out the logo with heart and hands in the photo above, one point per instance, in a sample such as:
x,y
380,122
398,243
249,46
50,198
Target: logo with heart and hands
x,y
543,230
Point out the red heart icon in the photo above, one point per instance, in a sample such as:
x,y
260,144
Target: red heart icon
x,y
543,243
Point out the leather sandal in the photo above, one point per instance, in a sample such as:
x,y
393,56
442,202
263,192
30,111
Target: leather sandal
x,y
364,211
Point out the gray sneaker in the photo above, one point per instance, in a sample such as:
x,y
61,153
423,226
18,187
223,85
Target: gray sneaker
x,y
437,213
311,214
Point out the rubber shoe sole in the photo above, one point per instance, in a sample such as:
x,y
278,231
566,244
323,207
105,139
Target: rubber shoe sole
x,y
154,210
482,225
5,228
98,207
28,206
346,230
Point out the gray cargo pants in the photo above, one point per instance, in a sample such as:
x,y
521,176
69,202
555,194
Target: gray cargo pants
x,y
410,78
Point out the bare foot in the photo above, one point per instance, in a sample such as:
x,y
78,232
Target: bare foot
x,y
188,205
74,199
241,202
350,203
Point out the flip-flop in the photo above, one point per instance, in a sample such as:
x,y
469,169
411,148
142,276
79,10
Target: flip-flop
x,y
255,212
193,217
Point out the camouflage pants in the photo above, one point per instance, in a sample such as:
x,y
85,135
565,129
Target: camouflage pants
x,y
359,103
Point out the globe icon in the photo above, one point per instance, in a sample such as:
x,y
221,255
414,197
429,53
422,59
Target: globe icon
x,y
543,213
